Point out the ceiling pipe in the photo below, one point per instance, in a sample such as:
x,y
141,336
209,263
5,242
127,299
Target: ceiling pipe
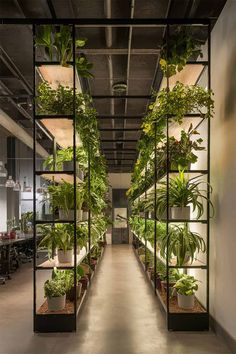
x,y
128,62
10,125
108,36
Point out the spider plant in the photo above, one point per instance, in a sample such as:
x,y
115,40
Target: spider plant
x,y
181,243
183,192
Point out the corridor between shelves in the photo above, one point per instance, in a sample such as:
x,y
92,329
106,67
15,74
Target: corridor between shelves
x,y
121,316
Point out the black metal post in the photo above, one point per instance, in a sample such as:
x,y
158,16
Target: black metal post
x,y
34,191
155,209
208,170
167,191
75,177
89,203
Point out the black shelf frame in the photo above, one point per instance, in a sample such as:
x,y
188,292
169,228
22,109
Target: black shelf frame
x,y
56,322
181,321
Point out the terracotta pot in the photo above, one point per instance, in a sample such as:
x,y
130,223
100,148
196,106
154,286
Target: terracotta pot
x,y
70,294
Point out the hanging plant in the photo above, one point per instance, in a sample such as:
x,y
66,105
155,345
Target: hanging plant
x,y
176,104
181,47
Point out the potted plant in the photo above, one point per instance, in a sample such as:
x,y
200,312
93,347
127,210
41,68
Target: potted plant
x,y
67,278
61,238
62,197
64,161
57,43
182,193
181,243
174,275
55,293
186,287
181,47
181,154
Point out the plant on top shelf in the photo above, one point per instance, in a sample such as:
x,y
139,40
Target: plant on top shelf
x,y
182,193
181,153
186,287
180,48
57,42
181,243
176,103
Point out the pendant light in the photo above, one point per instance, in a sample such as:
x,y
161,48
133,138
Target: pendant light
x,y
3,171
26,188
17,187
10,182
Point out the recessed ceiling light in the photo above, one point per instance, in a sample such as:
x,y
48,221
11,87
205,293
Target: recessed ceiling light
x,y
119,87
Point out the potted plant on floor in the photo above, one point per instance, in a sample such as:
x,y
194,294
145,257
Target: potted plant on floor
x,y
182,193
181,243
186,287
55,293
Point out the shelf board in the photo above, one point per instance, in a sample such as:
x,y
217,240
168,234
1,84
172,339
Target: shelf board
x,y
54,116
56,74
188,76
56,221
62,129
51,263
60,177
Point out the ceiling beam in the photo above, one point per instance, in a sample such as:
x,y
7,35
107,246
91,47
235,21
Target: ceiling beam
x,y
97,97
119,129
119,141
119,117
107,22
119,51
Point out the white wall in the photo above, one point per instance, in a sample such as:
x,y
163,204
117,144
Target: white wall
x,y
223,170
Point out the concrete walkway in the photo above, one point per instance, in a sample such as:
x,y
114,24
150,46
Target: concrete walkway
x,y
121,315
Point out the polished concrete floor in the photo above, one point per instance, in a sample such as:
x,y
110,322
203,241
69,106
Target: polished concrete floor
x,y
121,315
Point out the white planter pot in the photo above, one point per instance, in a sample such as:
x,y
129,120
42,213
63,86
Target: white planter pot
x,y
85,215
185,301
62,215
180,213
79,214
56,303
65,257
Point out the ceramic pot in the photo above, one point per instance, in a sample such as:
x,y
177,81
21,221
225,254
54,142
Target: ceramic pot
x,y
185,301
56,303
180,213
65,257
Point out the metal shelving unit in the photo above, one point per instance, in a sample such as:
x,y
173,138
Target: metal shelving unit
x,y
177,319
61,321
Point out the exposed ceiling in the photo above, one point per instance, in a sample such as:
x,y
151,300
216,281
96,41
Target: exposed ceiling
x,y
128,55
